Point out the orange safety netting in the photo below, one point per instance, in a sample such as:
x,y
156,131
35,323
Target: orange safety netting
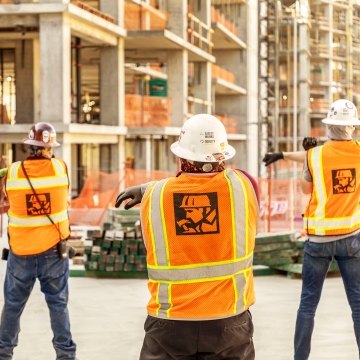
x,y
100,191
281,200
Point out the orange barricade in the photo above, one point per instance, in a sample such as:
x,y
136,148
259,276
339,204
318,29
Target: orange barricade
x,y
281,200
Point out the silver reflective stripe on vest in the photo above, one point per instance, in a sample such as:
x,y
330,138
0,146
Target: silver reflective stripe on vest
x,y
240,283
339,223
44,182
241,212
58,167
14,168
317,168
164,300
160,236
37,220
182,273
16,183
318,189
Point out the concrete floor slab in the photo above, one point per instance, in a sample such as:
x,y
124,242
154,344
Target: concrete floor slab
x,y
107,320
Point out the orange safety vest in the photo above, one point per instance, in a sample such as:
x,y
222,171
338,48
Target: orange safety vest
x,y
199,231
30,230
334,208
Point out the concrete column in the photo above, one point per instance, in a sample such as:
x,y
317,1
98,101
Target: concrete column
x,y
202,86
252,87
55,48
121,162
148,153
330,15
177,22
114,9
27,69
112,79
64,152
304,74
177,63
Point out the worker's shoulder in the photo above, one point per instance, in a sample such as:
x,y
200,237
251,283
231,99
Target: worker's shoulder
x,y
245,173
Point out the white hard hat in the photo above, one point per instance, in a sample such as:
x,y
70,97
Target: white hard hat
x,y
203,138
342,112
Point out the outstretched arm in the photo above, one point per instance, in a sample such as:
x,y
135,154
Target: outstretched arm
x,y
298,156
134,193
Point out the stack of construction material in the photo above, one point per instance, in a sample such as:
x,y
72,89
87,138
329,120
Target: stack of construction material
x,y
276,249
76,242
118,248
283,252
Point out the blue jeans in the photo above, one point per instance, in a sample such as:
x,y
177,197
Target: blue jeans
x,y
21,274
317,258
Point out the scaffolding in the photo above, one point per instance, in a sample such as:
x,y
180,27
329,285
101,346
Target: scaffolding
x,y
268,75
309,56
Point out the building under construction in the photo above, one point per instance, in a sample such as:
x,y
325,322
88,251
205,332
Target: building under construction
x,y
309,56
118,79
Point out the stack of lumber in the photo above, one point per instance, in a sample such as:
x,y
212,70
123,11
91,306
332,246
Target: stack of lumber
x,y
283,252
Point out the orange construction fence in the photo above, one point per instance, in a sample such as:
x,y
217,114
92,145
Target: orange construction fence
x,y
281,200
100,191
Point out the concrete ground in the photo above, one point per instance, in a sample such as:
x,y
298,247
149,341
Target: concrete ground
x,y
107,320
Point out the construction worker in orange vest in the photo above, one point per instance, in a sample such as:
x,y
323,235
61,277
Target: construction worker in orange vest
x,y
331,219
199,230
38,226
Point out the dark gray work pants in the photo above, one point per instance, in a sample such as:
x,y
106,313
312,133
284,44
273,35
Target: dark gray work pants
x,y
223,339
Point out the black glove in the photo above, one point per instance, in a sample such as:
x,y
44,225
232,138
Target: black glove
x,y
269,158
134,193
309,142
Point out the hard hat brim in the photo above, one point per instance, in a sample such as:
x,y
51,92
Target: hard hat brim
x,y
354,122
40,144
182,153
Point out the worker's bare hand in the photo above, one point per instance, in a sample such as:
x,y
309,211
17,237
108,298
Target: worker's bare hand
x,y
134,193
309,142
270,158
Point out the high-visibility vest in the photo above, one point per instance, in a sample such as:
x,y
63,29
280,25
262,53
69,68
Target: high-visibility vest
x,y
334,208
200,269
30,230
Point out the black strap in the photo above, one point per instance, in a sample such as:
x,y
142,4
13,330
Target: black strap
x,y
38,200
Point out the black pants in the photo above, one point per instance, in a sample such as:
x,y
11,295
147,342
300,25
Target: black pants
x,y
223,339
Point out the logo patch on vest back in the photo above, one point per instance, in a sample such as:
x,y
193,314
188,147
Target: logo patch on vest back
x,y
196,213
344,181
34,207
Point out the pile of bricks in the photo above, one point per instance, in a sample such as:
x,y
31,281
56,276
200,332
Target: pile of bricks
x,y
119,246
116,250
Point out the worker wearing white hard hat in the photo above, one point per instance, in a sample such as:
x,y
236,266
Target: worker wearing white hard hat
x,y
199,230
331,220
